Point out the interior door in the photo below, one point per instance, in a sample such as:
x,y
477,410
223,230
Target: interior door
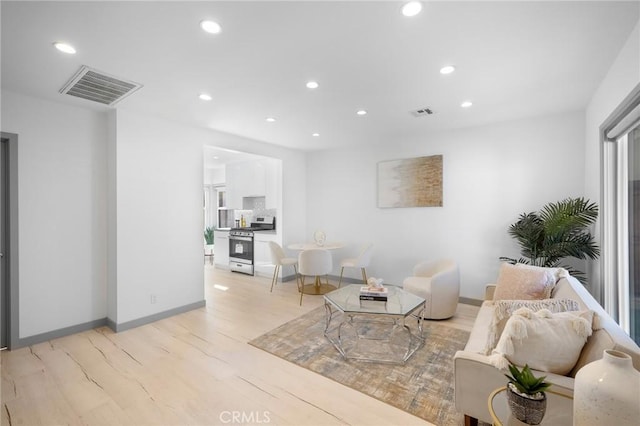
x,y
4,244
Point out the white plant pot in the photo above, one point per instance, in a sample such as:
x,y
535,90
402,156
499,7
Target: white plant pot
x,y
606,392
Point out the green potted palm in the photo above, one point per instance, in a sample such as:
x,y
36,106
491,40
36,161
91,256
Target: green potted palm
x,y
208,239
525,395
559,230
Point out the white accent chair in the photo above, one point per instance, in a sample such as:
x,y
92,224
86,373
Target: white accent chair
x,y
314,262
362,262
279,258
438,282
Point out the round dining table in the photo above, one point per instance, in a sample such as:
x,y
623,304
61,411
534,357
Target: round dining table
x,y
317,287
312,245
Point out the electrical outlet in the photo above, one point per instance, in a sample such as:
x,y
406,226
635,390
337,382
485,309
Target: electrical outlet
x,y
154,299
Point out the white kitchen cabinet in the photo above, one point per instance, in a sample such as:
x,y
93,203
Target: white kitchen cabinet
x,y
262,253
273,182
257,178
233,184
221,249
245,179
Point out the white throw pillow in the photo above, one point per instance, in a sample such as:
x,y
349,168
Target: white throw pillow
x,y
523,283
543,340
503,309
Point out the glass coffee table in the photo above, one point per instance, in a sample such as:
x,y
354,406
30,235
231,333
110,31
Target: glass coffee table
x,y
374,330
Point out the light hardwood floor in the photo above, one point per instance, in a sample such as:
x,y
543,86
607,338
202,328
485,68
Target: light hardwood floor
x,y
195,368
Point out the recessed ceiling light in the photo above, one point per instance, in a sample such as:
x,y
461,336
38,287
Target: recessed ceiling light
x,y
270,119
312,84
211,27
215,157
205,97
466,104
361,112
64,47
315,135
447,69
412,8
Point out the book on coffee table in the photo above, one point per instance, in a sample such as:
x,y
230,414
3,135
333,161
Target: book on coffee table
x,y
376,298
374,293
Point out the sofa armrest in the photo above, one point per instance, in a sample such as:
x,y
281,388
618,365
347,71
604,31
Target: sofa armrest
x,y
476,378
488,291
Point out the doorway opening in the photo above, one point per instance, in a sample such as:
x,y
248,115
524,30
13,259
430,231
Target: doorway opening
x,y
241,188
8,240
4,276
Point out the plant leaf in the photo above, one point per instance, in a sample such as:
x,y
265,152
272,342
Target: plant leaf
x,y
558,231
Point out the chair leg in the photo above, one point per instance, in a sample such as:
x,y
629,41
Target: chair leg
x,y
295,269
301,288
341,272
275,277
364,276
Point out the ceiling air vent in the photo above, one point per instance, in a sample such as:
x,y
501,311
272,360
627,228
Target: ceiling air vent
x,y
97,86
422,112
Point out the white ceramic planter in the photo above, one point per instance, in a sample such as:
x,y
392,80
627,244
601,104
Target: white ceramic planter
x,y
607,392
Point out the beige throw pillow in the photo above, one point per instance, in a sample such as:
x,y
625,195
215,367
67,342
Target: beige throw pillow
x,y
503,309
518,283
543,340
556,272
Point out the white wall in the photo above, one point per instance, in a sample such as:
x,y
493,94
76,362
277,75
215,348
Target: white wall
x,y
76,168
112,209
622,77
491,175
62,212
83,173
159,218
159,173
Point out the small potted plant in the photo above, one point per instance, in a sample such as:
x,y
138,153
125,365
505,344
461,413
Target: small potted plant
x,y
525,394
208,238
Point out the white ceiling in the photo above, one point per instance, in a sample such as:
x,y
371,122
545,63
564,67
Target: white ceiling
x,y
513,59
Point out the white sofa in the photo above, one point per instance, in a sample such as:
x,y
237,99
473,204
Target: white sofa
x,y
476,377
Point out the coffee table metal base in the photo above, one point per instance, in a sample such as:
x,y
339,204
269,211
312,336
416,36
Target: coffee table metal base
x,y
389,339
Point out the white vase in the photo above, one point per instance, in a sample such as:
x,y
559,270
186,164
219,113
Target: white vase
x,y
607,392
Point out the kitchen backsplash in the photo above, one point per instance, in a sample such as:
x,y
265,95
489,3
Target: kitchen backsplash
x,y
253,207
253,203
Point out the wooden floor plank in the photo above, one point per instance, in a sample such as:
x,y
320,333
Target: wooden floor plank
x,y
194,368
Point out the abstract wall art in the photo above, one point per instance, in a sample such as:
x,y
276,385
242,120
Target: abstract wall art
x,y
411,182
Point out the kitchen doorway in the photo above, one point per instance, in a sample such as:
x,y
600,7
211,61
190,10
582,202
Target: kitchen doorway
x,y
241,188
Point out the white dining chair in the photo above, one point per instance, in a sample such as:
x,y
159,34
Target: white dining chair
x,y
280,259
314,262
362,262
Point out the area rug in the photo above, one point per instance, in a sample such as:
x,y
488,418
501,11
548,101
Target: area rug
x,y
422,387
